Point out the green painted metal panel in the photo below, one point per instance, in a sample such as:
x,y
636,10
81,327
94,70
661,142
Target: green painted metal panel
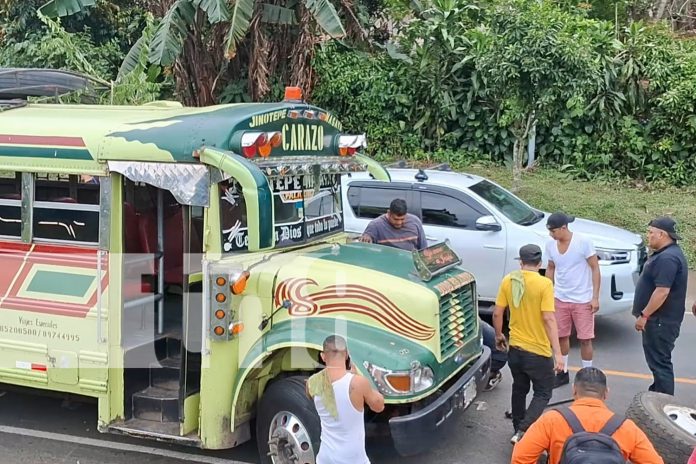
x,y
392,352
60,283
389,260
257,194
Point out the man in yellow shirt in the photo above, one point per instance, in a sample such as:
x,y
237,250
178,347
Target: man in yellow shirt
x,y
533,337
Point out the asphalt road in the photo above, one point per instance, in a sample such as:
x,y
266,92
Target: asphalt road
x,y
36,429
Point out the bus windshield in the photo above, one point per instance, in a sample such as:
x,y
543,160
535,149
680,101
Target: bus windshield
x,y
303,211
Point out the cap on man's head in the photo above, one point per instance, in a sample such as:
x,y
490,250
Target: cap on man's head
x,y
558,219
530,253
666,224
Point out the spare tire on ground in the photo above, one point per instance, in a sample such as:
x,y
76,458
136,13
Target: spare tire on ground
x,y
670,426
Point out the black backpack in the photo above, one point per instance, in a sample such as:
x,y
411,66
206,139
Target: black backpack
x,y
584,447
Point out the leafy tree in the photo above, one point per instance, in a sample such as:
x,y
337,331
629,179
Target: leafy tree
x,y
533,59
32,39
209,42
438,61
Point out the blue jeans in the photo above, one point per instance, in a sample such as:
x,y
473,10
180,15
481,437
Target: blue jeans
x,y
658,342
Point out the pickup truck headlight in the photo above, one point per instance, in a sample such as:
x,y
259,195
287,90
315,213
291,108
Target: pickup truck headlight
x,y
399,383
609,256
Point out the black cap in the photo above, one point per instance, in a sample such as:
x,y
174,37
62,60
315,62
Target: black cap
x,y
558,219
530,253
666,224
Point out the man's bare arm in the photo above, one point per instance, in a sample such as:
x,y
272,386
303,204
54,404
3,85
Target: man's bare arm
x,y
373,398
498,316
593,262
550,270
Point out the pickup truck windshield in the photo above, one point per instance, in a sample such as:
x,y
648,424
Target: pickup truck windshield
x,y
512,207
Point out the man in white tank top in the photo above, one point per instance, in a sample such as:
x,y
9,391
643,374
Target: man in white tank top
x,y
340,394
574,269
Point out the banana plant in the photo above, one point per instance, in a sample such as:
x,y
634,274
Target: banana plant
x,y
166,44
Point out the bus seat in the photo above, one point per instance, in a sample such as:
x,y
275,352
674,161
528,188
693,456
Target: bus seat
x,y
131,236
133,284
173,243
174,248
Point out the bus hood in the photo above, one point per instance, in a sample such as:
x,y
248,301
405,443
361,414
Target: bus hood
x,y
376,286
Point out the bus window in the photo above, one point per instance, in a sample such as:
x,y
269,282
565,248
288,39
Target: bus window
x,y
66,208
300,213
233,216
10,204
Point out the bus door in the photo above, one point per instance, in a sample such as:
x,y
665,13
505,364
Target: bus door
x,y
162,256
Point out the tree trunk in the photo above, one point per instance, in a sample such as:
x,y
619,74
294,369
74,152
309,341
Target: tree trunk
x,y
521,132
660,9
517,157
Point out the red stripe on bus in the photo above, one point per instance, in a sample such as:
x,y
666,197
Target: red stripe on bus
x,y
47,140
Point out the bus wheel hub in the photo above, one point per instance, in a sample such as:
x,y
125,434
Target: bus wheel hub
x,y
289,442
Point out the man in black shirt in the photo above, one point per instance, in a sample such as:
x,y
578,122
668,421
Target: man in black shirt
x,y
660,301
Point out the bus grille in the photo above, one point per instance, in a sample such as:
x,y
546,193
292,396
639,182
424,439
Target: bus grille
x,y
458,320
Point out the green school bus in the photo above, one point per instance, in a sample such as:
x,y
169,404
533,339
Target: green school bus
x,y
184,265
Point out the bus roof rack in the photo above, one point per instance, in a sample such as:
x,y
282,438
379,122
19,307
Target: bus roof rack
x,y
21,83
11,104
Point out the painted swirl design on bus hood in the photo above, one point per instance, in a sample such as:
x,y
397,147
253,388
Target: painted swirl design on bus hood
x,y
307,299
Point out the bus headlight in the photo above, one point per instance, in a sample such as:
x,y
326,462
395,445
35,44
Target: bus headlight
x,y
399,383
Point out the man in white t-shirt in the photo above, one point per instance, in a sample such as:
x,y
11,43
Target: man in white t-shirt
x,y
574,269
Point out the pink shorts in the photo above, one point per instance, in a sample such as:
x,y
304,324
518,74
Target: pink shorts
x,y
579,315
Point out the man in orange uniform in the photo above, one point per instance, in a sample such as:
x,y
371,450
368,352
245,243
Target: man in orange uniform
x,y
551,431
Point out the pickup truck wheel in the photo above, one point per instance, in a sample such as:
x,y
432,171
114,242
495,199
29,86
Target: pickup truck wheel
x,y
670,426
288,428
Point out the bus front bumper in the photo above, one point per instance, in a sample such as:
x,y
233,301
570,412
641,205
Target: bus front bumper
x,y
419,431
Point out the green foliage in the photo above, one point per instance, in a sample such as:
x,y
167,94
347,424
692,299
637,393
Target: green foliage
x,y
364,91
326,16
474,76
171,32
93,41
51,45
54,47
58,8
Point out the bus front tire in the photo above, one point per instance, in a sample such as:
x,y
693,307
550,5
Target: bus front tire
x,y
287,424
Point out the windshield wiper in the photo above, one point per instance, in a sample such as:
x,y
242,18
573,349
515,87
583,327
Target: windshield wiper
x,y
538,216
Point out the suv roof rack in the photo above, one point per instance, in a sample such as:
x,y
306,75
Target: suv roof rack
x,y
441,167
21,83
401,164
